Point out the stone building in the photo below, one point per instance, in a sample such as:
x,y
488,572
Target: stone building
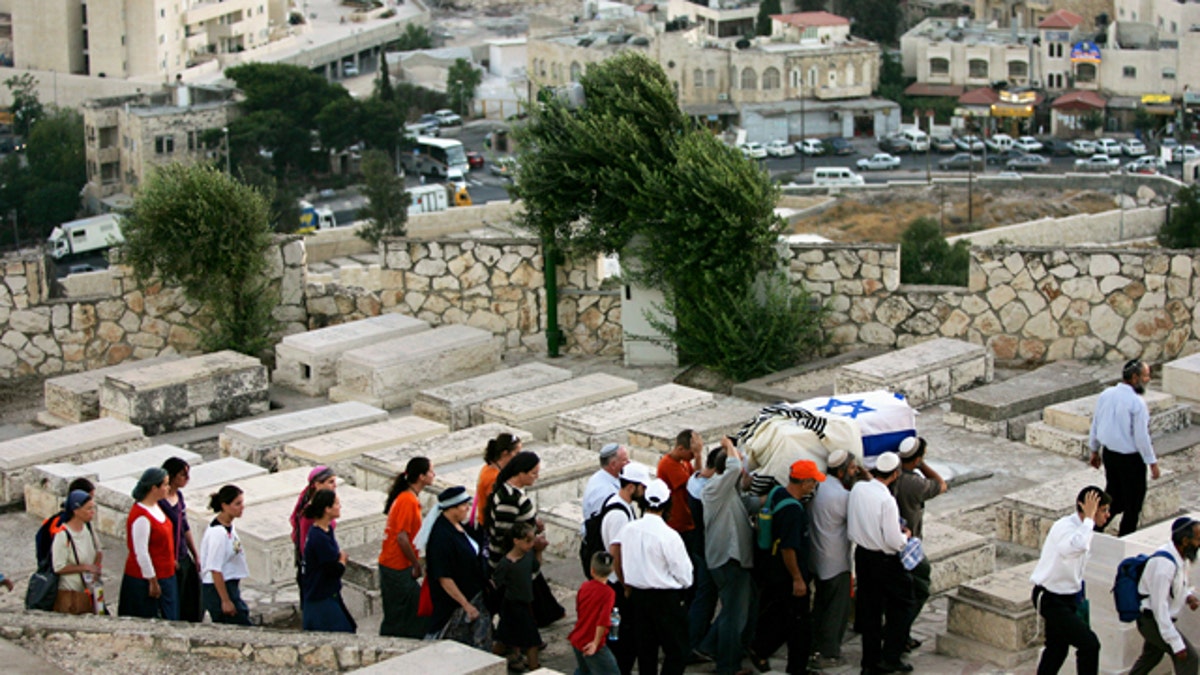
x,y
810,77
127,136
1029,13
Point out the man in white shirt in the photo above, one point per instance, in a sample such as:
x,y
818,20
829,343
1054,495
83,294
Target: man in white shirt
x,y
1165,590
884,598
657,570
1058,585
635,476
831,559
1120,439
606,481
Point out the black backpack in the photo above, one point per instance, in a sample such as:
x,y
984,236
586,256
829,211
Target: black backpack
x,y
593,539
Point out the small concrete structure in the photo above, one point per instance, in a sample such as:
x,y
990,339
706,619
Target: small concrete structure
x,y
75,444
261,440
595,425
1005,408
1181,378
457,404
992,618
75,398
1025,517
956,556
307,362
388,374
563,521
375,470
720,418
442,656
340,448
189,393
44,495
925,373
1064,426
536,409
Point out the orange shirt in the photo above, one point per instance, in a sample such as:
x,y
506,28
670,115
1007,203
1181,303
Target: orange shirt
x,y
483,488
404,516
676,474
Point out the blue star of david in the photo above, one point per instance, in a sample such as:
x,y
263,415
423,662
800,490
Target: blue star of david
x,y
856,408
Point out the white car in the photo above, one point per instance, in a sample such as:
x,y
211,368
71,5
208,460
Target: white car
x,y
1097,162
1028,144
999,142
880,161
1108,146
1133,148
1082,147
447,117
811,147
754,150
1147,164
780,149
349,69
969,143
1184,153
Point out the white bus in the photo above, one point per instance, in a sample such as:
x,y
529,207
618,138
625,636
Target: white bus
x,y
434,156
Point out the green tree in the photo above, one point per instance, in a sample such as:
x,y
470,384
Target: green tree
x,y
26,108
45,192
55,151
927,258
383,125
415,37
461,81
383,83
1182,230
340,124
386,210
762,25
199,228
875,20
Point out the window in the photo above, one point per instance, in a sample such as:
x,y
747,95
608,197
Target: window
x,y
1018,69
977,69
939,66
849,74
795,79
698,79
164,145
576,71
710,79
83,8
1085,72
1174,28
1129,71
1168,73
812,77
749,79
770,79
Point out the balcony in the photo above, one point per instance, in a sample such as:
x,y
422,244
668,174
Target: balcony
x,y
827,93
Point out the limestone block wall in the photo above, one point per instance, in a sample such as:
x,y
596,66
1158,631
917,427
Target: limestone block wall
x,y
1083,228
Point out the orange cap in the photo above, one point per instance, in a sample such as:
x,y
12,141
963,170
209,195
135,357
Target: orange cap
x,y
803,469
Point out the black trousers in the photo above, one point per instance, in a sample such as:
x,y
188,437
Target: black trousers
x,y
624,648
883,606
661,624
1126,484
1065,629
785,618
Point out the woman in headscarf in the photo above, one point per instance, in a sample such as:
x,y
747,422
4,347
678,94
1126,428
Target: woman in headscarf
x,y
400,568
499,451
148,589
456,569
322,569
187,574
223,560
320,478
77,556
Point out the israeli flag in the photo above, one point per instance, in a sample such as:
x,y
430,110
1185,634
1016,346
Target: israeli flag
x,y
883,417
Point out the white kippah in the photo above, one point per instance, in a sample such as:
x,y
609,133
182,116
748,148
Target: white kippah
x,y
887,462
908,446
837,458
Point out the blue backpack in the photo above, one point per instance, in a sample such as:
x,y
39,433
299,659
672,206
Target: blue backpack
x,y
1125,587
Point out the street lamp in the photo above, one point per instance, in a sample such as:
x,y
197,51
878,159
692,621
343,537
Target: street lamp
x,y
462,99
225,131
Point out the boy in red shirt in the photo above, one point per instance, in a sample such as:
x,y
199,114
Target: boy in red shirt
x,y
593,609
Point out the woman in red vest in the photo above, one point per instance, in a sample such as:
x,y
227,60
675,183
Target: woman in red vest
x,y
149,590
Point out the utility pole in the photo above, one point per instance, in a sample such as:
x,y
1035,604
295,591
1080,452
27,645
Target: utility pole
x,y
225,131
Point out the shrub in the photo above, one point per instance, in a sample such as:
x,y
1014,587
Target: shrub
x,y
927,258
1182,230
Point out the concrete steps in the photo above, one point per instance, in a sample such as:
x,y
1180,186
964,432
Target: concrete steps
x,y
1064,426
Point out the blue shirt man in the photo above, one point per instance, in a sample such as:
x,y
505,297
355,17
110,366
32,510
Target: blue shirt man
x,y
1120,439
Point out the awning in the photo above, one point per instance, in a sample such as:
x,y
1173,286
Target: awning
x,y
1012,110
1167,110
924,89
1079,100
705,109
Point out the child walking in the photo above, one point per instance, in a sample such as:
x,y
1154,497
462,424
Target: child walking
x,y
593,609
518,631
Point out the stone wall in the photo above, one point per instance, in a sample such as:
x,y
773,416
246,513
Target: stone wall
x,y
1084,228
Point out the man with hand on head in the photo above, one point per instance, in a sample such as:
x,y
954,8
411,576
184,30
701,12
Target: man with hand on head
x,y
1165,590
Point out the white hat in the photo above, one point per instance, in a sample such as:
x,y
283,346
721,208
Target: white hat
x,y
887,462
910,446
837,458
636,472
657,493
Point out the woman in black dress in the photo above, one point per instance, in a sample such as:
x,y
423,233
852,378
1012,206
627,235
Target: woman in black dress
x,y
456,571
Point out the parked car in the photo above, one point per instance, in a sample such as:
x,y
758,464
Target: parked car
x,y
428,128
969,143
894,145
1146,164
1028,144
839,146
943,144
1058,148
1004,157
447,117
779,148
1133,148
999,142
811,147
349,69
1097,162
1169,143
474,160
1027,162
1184,153
504,167
961,162
880,161
1108,146
753,150
1082,147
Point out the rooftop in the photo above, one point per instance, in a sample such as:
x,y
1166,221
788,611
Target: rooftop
x,y
968,32
811,19
1061,19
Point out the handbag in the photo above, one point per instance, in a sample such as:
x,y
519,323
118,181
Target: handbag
x,y
73,602
425,601
43,589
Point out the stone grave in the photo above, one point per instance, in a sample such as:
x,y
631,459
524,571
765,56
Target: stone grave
x,y
608,421
564,472
927,372
261,441
256,489
992,618
1025,517
537,409
720,418
360,582
1004,409
389,373
1181,378
457,404
441,656
340,448
307,362
376,469
189,393
563,521
75,444
956,556
114,497
44,495
1064,426
76,397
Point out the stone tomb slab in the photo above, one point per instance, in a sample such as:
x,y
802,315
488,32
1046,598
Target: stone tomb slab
x,y
956,556
925,373
562,527
387,374
45,494
340,448
1064,426
76,397
307,362
993,618
988,409
537,409
442,656
608,421
1025,517
1181,378
375,470
261,441
75,444
564,472
720,418
258,489
457,404
183,394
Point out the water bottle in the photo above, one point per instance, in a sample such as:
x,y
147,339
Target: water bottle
x,y
615,625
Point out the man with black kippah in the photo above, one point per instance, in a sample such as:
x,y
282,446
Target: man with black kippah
x,y
1165,590
1120,439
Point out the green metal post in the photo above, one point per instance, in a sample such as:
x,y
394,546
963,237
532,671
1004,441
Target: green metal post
x,y
550,261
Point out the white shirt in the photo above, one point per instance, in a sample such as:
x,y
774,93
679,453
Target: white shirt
x,y
1167,590
599,487
63,556
221,551
614,521
1064,555
1121,423
830,542
653,555
141,537
873,519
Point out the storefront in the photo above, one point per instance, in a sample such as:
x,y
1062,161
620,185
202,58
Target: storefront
x,y
1072,114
